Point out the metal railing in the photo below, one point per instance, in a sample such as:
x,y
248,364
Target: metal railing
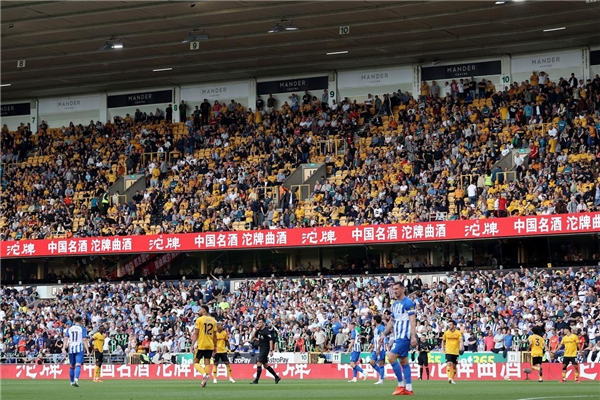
x,y
471,178
438,216
302,191
507,176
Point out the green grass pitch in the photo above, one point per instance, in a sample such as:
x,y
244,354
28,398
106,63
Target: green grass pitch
x,y
292,390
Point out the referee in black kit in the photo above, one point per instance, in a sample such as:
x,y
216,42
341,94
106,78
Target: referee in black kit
x,y
423,347
266,343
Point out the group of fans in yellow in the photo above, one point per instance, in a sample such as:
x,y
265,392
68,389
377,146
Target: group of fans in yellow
x,y
212,343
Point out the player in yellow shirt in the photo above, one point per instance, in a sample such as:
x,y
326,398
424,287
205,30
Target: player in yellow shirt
x,y
536,346
570,342
221,356
205,337
452,345
98,344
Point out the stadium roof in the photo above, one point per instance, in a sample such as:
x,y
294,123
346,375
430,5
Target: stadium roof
x,y
60,41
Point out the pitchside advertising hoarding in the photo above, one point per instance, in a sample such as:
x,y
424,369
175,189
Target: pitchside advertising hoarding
x,y
563,224
436,357
485,371
251,358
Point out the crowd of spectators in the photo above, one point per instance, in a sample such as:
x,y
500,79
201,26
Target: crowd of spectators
x,y
418,158
495,310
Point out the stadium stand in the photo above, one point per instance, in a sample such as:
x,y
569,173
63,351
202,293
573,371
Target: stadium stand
x,y
159,316
474,153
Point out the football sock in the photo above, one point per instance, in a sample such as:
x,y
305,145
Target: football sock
x,y
354,371
381,370
272,371
213,371
258,373
358,368
576,375
397,370
72,374
77,372
427,371
229,370
97,372
449,371
200,368
564,374
407,376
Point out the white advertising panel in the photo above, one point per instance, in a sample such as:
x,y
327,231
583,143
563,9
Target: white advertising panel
x,y
67,105
211,91
374,78
549,60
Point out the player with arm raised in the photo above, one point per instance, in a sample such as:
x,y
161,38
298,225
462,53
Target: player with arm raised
x,y
76,343
403,323
205,337
266,344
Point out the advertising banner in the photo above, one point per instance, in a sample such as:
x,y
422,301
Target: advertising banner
x,y
68,105
14,110
129,267
595,57
436,357
293,85
321,236
140,99
250,358
225,91
546,61
465,70
383,77
494,371
158,263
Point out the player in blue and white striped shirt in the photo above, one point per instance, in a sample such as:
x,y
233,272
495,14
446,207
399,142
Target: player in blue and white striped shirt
x,y
77,344
403,323
378,350
354,350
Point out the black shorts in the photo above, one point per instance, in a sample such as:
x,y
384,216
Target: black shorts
x,y
537,360
452,358
569,360
202,354
221,358
98,356
263,356
423,359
